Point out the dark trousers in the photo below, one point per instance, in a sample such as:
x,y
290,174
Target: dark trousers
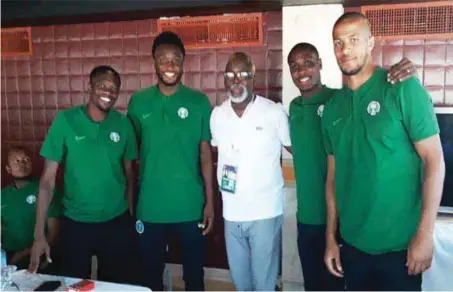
x,y
153,244
382,272
311,241
112,242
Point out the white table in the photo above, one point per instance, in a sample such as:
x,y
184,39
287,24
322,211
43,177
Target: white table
x,y
440,276
28,282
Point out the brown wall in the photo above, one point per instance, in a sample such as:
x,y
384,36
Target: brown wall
x,y
35,88
432,58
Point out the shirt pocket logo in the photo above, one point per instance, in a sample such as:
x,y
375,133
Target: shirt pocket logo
x,y
373,108
31,199
183,113
115,137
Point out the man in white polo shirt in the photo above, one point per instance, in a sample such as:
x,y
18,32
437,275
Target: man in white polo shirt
x,y
249,132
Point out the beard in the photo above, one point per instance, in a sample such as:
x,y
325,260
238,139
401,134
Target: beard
x,y
354,71
161,78
241,98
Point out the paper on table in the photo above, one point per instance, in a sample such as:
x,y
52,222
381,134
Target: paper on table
x,y
28,281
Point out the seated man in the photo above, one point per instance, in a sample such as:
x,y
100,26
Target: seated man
x,y
19,211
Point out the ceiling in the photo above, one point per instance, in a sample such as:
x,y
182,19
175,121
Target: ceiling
x,y
50,12
350,3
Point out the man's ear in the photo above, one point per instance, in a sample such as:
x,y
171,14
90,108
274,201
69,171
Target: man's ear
x,y
8,169
320,63
371,43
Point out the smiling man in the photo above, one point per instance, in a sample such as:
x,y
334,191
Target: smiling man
x,y
385,170
310,166
176,176
249,132
97,146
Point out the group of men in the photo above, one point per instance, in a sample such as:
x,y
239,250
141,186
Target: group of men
x,y
367,160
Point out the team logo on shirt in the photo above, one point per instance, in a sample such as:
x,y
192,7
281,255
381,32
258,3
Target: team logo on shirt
x,y
139,227
320,110
115,137
31,199
183,112
373,108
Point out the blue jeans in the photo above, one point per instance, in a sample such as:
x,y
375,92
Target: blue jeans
x,y
153,245
254,249
311,242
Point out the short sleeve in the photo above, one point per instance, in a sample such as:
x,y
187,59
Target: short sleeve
x,y
132,113
417,109
56,206
283,126
325,134
213,126
53,147
205,119
131,142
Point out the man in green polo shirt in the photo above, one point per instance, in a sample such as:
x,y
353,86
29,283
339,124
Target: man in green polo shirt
x,y
176,175
97,146
385,170
310,160
19,210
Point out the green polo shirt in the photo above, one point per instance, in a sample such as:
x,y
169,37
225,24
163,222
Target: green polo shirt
x,y
378,174
170,129
93,155
19,214
310,163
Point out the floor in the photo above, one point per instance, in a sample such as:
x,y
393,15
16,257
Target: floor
x,y
210,285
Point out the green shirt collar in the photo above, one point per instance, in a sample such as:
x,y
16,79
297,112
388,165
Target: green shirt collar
x,y
156,91
379,75
318,98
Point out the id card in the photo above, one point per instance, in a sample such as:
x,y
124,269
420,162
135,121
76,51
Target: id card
x,y
229,175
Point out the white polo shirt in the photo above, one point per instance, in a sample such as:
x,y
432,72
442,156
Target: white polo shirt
x,y
253,144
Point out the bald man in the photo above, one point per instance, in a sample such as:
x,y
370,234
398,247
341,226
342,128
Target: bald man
x,y
385,170
249,132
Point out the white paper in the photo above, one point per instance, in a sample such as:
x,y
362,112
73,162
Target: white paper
x,y
28,282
